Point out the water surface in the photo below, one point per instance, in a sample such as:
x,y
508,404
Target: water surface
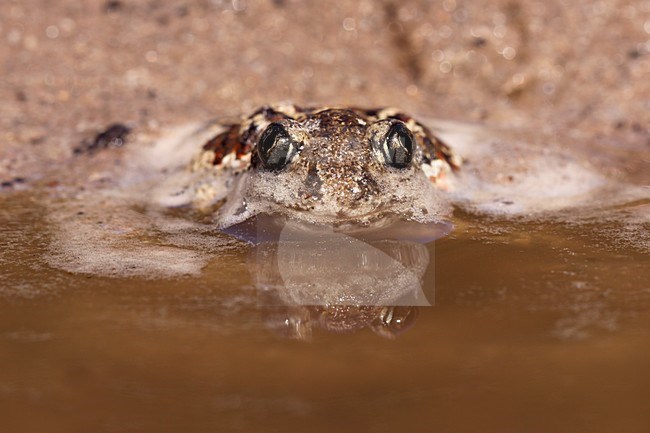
x,y
535,325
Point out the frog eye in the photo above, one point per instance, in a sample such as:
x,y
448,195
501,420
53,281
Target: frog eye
x,y
275,148
396,149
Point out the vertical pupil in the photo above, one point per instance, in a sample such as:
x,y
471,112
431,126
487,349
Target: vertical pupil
x,y
278,150
400,147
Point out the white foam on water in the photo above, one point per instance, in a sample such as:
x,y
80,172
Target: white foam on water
x,y
504,175
119,227
114,240
159,171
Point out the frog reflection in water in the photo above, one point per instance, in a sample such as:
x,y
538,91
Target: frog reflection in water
x,y
300,322
326,165
353,284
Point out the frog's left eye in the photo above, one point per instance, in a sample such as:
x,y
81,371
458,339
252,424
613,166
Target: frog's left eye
x,y
396,149
275,147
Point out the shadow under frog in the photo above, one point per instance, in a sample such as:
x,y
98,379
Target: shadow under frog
x,y
316,276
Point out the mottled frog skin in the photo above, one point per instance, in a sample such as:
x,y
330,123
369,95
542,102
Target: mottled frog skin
x,y
324,164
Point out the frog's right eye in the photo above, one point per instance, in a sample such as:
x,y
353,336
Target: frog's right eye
x,y
276,148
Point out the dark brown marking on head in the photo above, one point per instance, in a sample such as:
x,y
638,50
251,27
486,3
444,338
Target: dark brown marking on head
x,y
247,139
226,143
434,148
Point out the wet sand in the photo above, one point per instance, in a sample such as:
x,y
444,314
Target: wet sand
x,y
72,68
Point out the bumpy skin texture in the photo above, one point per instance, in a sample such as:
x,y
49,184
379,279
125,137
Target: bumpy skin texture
x,y
240,138
336,172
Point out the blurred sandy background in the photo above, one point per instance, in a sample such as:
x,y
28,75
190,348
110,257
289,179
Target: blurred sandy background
x,y
69,68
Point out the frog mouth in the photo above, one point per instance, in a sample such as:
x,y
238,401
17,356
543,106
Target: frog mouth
x,y
267,227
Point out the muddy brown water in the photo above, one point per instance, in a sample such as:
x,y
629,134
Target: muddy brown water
x,y
535,326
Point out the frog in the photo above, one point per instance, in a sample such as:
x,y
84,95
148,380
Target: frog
x,y
330,165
